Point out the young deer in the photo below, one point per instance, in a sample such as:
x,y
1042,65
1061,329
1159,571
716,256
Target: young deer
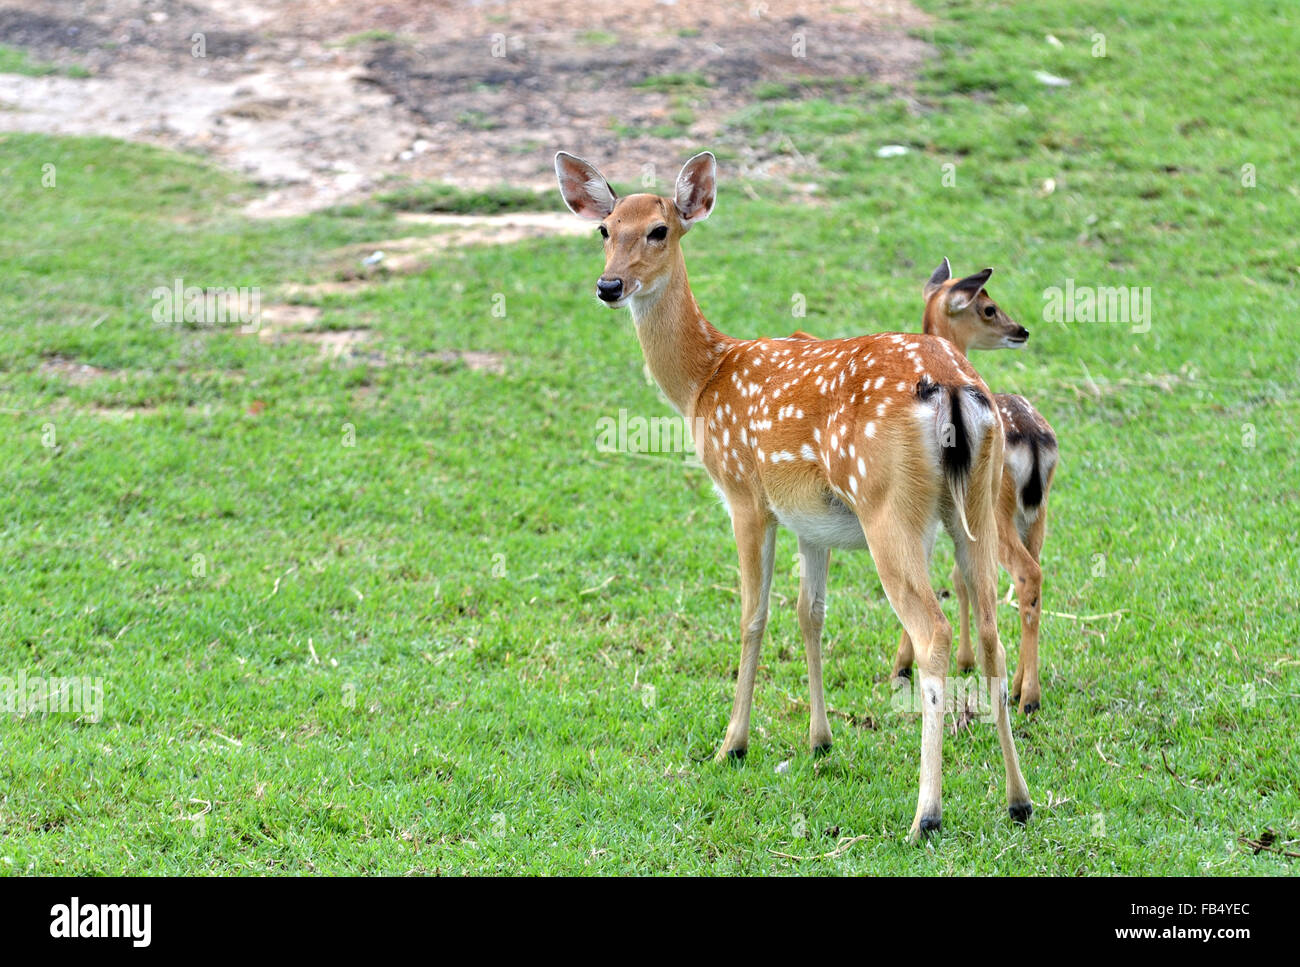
x,y
870,442
961,311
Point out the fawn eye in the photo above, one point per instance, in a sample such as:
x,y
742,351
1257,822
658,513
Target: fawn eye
x,y
658,234
988,312
604,232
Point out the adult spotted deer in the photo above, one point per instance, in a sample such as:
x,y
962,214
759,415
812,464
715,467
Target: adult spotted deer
x,y
961,311
870,442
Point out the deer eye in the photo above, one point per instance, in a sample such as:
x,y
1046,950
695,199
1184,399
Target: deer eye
x,y
988,312
604,232
658,234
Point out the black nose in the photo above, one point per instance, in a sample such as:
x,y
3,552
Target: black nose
x,y
609,290
1022,333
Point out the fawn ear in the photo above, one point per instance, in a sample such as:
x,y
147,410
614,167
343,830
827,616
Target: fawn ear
x,y
941,275
963,293
585,189
697,189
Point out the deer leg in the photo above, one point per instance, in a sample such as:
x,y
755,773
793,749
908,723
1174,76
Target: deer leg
x,y
965,653
1025,571
812,615
903,658
756,542
902,562
979,568
905,655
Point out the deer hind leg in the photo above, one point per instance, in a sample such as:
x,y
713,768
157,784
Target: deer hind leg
x,y
815,562
905,655
903,658
903,565
1021,562
756,542
980,571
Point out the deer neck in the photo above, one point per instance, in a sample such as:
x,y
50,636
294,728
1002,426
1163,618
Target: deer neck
x,y
681,348
935,323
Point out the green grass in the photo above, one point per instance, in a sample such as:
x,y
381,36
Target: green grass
x,y
598,38
675,82
444,198
15,60
430,651
366,37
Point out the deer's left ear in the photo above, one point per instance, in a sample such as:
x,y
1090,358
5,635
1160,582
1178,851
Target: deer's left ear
x,y
697,189
941,275
964,291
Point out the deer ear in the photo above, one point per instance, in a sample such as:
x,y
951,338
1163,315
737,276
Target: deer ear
x,y
941,275
697,189
963,293
585,189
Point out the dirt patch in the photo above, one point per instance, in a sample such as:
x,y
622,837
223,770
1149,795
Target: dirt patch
x,y
356,266
288,316
631,90
320,100
71,371
497,229
403,256
351,346
478,361
122,412
333,344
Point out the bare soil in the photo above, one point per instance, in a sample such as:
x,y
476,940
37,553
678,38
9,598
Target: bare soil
x,y
319,101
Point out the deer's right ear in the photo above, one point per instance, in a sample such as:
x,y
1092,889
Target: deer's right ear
x,y
941,275
585,189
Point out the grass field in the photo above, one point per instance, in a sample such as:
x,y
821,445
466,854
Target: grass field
x,y
399,614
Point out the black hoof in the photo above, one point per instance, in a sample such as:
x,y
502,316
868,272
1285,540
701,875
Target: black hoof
x,y
737,755
821,750
930,824
1021,812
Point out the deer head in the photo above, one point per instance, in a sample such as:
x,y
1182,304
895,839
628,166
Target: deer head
x,y
642,232
961,311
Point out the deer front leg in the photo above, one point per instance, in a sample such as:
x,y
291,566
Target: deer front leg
x,y
965,653
1028,577
814,564
756,542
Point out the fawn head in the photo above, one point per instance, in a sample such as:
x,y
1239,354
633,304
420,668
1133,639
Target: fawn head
x,y
961,311
641,232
